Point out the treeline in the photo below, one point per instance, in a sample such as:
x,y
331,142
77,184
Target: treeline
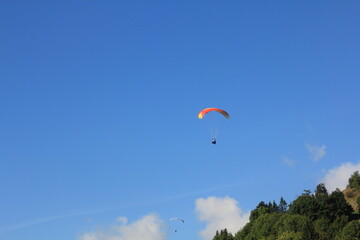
x,y
312,216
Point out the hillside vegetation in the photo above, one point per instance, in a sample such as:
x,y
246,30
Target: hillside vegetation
x,y
312,216
351,197
352,192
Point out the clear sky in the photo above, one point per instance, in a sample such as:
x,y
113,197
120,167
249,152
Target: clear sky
x,y
99,132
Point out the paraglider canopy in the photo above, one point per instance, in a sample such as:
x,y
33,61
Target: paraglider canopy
x,y
177,219
207,110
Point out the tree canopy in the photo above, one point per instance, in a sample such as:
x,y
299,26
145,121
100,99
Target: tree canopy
x,y
311,216
354,181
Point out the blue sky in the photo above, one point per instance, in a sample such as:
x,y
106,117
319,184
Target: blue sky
x,y
99,104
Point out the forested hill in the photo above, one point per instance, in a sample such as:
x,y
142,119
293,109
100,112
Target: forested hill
x,y
317,215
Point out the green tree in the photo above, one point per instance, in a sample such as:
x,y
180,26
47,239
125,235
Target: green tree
x,y
223,235
321,190
333,205
263,227
338,224
226,235
318,216
305,205
306,192
321,205
338,206
323,199
354,181
240,235
261,209
299,225
273,207
350,232
290,236
217,235
283,207
358,203
321,227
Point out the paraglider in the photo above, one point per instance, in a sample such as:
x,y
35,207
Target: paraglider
x,y
205,111
177,219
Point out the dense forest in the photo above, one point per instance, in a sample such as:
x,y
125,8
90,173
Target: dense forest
x,y
312,216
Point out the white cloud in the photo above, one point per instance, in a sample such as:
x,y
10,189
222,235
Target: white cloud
x,y
220,213
338,177
316,152
149,227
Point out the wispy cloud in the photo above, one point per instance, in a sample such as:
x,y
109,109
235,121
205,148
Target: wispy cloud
x,y
220,213
29,223
338,177
288,161
317,152
149,227
14,227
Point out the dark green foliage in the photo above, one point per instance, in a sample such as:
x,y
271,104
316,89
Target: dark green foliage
x,y
338,224
263,227
217,235
305,205
240,235
337,205
321,205
271,207
261,208
283,207
333,205
307,192
358,203
322,229
290,236
326,230
223,235
298,225
321,190
274,226
350,232
354,181
318,216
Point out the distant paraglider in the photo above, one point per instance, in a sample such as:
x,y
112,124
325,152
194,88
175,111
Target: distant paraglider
x,y
177,219
203,112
